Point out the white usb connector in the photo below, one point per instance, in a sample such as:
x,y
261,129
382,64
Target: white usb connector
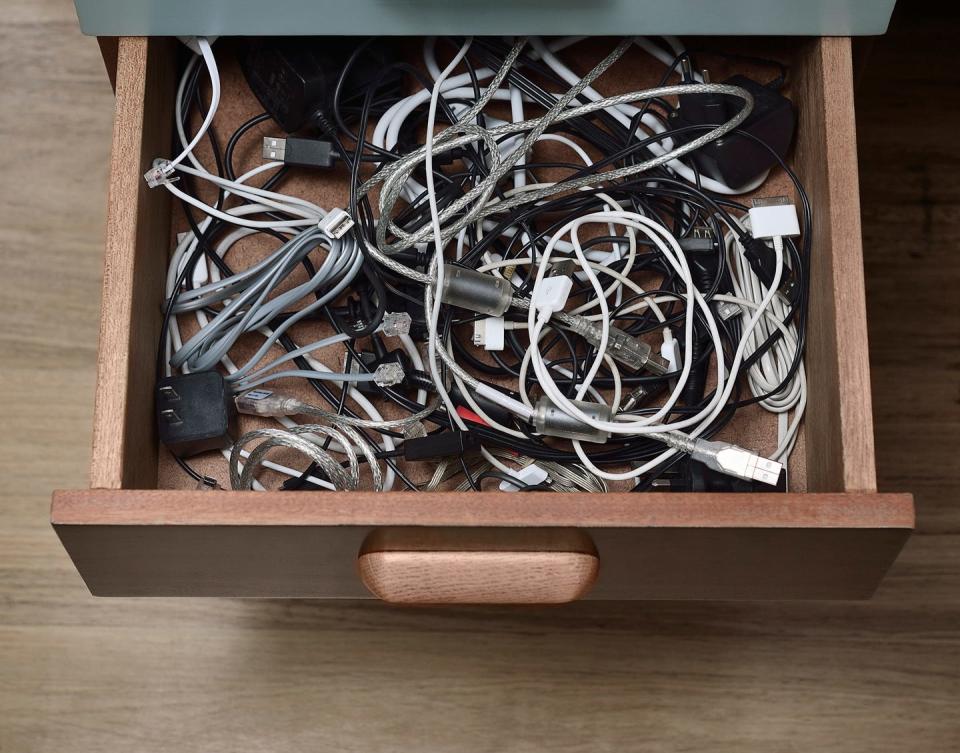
x,y
336,223
531,475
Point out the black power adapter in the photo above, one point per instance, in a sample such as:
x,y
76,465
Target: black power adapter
x,y
294,77
735,159
195,413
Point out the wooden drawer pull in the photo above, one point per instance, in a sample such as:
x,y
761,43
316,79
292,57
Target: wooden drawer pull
x,y
463,566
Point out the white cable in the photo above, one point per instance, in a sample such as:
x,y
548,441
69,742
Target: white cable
x,y
211,63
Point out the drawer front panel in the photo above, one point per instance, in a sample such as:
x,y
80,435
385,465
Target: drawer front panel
x,y
725,546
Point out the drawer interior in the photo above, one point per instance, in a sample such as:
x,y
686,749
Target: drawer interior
x,y
835,450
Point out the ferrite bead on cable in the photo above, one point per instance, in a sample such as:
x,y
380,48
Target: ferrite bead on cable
x,y
551,421
475,291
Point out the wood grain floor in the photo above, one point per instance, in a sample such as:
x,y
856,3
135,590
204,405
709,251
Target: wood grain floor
x,y
82,675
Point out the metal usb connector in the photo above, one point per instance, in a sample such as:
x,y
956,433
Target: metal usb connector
x,y
726,458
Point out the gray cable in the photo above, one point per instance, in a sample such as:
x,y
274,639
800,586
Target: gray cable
x,y
249,307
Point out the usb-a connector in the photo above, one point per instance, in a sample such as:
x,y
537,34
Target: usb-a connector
x,y
274,149
736,461
336,223
726,458
298,151
266,403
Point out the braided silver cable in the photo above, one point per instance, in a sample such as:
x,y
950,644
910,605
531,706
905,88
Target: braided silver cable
x,y
538,125
282,438
337,420
376,472
467,116
393,188
482,190
294,438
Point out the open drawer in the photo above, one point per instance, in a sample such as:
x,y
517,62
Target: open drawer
x,y
834,539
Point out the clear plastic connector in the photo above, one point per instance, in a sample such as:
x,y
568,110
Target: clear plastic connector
x,y
161,173
388,374
726,457
414,430
266,403
621,347
396,323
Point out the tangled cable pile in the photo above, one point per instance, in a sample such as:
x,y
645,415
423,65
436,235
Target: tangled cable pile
x,y
569,299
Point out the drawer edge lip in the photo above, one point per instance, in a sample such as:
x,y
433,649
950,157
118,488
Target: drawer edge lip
x,y
620,510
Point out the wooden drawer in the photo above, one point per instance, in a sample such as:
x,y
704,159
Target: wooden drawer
x,y
836,539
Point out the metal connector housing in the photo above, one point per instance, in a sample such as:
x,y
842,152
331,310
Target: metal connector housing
x,y
475,291
736,461
274,149
551,421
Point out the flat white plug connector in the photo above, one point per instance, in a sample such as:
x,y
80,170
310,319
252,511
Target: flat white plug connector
x,y
531,475
774,217
488,333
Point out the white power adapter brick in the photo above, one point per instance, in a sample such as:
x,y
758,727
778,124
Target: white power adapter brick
x,y
774,217
531,475
488,333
